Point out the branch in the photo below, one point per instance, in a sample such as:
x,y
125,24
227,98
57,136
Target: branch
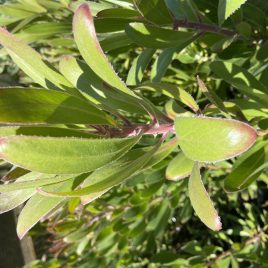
x,y
204,27
134,130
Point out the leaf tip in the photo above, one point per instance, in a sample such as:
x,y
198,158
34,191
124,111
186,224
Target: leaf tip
x,y
218,224
3,143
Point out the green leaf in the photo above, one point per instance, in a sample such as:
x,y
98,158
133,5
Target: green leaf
x,y
227,7
62,155
207,139
244,173
47,106
39,180
92,87
201,201
11,200
117,13
44,131
108,171
39,206
172,91
90,49
138,67
212,96
164,59
241,79
179,167
154,10
156,37
105,178
173,109
32,64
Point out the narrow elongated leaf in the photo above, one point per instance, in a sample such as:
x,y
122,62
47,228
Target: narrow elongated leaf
x,y
241,79
92,87
40,180
207,139
171,91
109,170
105,178
11,200
179,167
90,49
156,37
29,105
32,64
227,7
201,201
244,173
138,67
41,206
211,95
161,64
41,31
62,155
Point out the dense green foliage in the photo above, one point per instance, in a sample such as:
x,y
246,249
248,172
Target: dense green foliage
x,y
158,161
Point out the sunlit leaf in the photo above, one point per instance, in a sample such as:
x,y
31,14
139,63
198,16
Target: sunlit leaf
x,y
201,201
90,49
65,155
179,167
207,139
227,7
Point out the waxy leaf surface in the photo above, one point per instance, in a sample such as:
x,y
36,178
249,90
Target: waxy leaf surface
x,y
29,105
52,155
207,139
133,162
201,201
179,167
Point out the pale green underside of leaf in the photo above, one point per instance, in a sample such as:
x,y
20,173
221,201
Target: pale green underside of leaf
x,y
179,167
99,175
32,105
105,178
207,139
62,155
227,7
38,181
201,201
